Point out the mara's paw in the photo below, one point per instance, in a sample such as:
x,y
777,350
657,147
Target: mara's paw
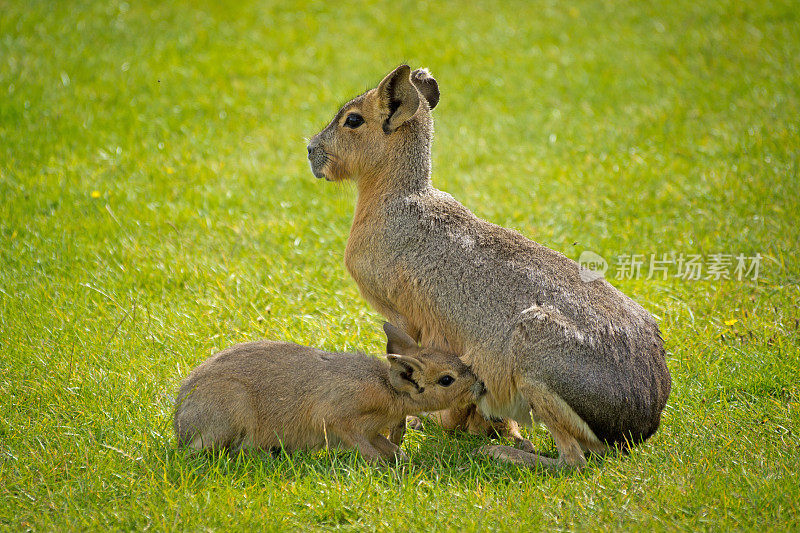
x,y
525,445
519,457
415,423
400,457
573,461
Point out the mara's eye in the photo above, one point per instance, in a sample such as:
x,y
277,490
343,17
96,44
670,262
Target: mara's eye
x,y
353,120
446,381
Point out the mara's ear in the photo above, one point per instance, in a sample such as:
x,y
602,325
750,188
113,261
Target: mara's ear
x,y
398,99
426,85
404,373
397,341
404,363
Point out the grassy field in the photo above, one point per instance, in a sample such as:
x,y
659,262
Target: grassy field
x,y
156,206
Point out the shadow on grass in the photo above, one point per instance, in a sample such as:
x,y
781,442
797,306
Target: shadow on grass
x,y
436,456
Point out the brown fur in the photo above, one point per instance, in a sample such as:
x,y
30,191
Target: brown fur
x,y
271,394
582,358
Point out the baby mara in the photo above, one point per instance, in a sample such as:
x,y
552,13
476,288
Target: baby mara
x,y
270,394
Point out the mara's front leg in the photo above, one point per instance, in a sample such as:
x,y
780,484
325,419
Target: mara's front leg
x,y
388,450
398,432
470,420
359,441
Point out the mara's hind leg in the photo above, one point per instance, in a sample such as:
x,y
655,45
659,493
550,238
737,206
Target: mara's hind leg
x,y
218,437
516,456
215,416
571,434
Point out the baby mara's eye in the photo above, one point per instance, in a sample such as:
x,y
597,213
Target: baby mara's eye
x,y
353,120
446,381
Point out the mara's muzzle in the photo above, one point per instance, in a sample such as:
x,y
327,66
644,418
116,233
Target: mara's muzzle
x,y
317,158
478,390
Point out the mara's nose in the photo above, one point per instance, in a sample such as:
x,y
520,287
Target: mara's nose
x,y
309,148
479,389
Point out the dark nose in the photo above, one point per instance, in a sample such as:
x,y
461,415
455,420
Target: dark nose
x,y
479,389
312,146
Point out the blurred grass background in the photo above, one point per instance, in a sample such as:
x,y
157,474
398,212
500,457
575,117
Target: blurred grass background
x,y
156,206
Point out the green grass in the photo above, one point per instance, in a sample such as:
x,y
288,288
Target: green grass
x,y
156,206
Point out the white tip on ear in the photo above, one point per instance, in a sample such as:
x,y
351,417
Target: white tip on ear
x,y
426,85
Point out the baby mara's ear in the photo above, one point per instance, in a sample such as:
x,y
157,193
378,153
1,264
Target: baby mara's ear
x,y
426,85
398,98
404,373
398,341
